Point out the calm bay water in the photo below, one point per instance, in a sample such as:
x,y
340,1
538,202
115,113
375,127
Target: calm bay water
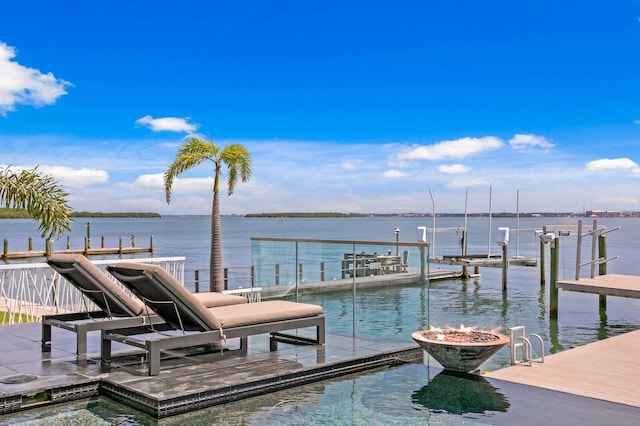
x,y
477,302
394,313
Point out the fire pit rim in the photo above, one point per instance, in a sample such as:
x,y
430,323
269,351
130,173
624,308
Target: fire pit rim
x,y
419,337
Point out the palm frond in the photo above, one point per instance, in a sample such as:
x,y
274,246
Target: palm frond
x,y
40,195
190,154
238,160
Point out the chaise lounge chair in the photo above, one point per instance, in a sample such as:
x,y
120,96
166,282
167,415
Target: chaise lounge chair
x,y
117,308
198,325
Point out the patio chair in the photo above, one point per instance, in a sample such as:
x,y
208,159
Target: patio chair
x,y
117,309
194,324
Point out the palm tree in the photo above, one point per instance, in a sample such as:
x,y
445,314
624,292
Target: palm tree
x,y
238,161
40,195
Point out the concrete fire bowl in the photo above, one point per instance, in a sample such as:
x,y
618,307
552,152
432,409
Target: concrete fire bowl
x,y
461,351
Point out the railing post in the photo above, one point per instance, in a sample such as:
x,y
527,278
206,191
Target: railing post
x,y
300,273
277,273
321,271
253,274
579,250
296,275
5,250
30,243
196,275
151,244
102,241
553,290
68,242
225,273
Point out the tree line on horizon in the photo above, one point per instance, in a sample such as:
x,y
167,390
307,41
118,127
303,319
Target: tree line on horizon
x,y
9,213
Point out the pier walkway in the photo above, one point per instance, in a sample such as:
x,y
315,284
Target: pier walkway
x,y
608,285
607,370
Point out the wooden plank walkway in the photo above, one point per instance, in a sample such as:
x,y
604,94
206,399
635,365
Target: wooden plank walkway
x,y
30,254
608,370
610,285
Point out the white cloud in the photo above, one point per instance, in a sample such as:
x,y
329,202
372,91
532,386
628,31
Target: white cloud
x,y
348,166
460,148
465,183
75,178
636,121
453,168
155,182
529,141
150,181
394,174
168,124
20,85
605,165
193,185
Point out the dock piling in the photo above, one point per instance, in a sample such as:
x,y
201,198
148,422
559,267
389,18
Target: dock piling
x,y
602,268
505,265
543,269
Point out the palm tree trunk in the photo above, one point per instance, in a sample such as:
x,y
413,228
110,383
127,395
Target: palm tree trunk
x,y
216,282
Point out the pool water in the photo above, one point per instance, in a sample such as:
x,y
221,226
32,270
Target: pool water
x,y
407,395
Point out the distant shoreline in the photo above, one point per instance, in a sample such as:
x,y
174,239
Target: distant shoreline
x,y
6,213
23,214
355,215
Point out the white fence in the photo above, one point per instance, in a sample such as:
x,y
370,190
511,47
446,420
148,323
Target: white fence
x,y
27,291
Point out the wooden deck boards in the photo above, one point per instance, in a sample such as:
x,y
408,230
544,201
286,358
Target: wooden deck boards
x,y
611,285
608,370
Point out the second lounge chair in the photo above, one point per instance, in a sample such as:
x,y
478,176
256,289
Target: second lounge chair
x,y
200,325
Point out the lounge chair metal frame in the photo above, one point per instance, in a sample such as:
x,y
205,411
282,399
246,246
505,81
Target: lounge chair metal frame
x,y
153,340
115,313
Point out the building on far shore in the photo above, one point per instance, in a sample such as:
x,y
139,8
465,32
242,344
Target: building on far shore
x,y
612,213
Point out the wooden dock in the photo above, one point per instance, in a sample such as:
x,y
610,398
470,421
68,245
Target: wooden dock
x,y
6,254
607,370
371,281
485,261
608,285
30,254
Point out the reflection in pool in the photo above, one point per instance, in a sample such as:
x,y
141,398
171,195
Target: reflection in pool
x,y
460,393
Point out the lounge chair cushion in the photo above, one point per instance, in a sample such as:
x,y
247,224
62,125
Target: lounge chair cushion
x,y
264,312
212,299
103,282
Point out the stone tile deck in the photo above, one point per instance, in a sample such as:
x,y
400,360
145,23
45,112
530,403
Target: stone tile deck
x,y
187,382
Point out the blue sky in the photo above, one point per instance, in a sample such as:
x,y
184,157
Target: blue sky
x,y
345,106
